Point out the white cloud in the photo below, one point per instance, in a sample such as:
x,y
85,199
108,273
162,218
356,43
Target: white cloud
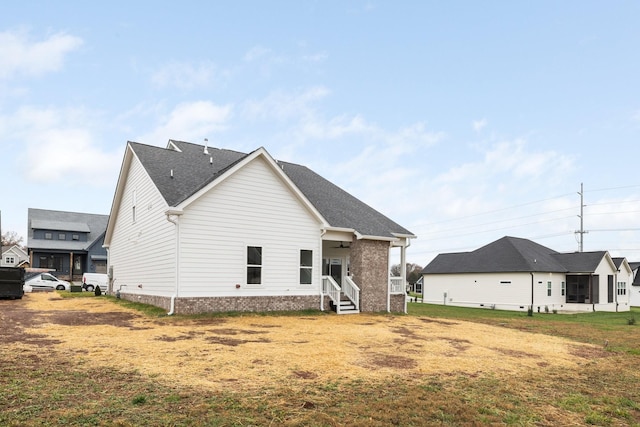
x,y
316,57
59,146
256,52
478,125
185,76
192,121
283,106
21,55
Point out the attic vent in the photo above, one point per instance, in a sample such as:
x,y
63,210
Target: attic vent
x,y
206,148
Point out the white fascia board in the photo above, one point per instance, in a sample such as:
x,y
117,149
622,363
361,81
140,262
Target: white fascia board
x,y
260,152
117,197
172,146
405,236
381,238
610,261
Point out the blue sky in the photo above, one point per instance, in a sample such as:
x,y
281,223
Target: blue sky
x,y
464,121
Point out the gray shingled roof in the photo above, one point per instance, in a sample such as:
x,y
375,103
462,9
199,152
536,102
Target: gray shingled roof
x,y
192,170
508,254
93,224
581,262
511,255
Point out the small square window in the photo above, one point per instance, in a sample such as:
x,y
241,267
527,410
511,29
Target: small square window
x,y
75,237
62,236
48,236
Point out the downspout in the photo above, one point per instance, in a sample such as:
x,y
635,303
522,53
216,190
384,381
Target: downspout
x,y
404,292
323,231
615,288
532,289
173,218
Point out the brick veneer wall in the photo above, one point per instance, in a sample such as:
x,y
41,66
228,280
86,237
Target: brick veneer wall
x,y
369,269
224,304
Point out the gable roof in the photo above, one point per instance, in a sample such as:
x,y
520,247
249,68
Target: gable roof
x,y
92,224
512,255
14,249
195,167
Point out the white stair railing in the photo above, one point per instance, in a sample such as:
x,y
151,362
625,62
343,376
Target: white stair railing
x,y
351,291
396,285
331,288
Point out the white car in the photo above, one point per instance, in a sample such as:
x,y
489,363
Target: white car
x,y
46,281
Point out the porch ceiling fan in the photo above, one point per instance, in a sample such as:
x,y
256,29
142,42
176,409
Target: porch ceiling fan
x,y
342,246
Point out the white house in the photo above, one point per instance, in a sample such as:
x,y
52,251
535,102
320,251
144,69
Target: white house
x,y
516,274
198,229
635,286
14,256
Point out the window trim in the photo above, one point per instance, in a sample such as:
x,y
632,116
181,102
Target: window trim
x,y
621,289
303,267
254,266
549,287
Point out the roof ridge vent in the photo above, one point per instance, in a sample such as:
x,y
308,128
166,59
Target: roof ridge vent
x,y
206,148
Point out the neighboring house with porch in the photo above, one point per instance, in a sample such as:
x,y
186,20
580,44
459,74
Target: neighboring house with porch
x,y
199,229
14,256
635,286
69,243
515,274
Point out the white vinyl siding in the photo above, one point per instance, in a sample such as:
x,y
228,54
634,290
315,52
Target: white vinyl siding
x,y
142,254
252,207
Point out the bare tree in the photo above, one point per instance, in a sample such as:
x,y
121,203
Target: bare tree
x,y
414,271
11,238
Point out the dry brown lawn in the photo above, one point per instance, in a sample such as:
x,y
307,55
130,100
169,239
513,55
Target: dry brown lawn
x,y
251,352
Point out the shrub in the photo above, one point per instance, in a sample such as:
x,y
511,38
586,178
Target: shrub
x,y
631,320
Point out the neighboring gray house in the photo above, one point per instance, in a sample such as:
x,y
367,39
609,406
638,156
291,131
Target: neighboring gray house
x,y
515,274
198,229
70,243
14,256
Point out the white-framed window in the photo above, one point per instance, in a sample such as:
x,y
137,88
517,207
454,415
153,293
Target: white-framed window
x,y
48,236
254,265
563,288
548,289
62,236
9,260
622,288
75,237
306,266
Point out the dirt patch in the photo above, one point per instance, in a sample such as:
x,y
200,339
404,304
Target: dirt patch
x,y
262,351
437,321
391,361
588,351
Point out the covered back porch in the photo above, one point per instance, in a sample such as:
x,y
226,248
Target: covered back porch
x,y
355,273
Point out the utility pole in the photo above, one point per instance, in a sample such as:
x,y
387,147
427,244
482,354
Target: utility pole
x,y
581,232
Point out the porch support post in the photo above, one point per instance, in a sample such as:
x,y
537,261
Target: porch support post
x,y
403,271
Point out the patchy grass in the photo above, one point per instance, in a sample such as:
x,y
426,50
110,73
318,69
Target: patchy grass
x,y
613,331
55,385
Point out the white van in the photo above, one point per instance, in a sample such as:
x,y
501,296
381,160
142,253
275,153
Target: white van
x,y
91,280
46,281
